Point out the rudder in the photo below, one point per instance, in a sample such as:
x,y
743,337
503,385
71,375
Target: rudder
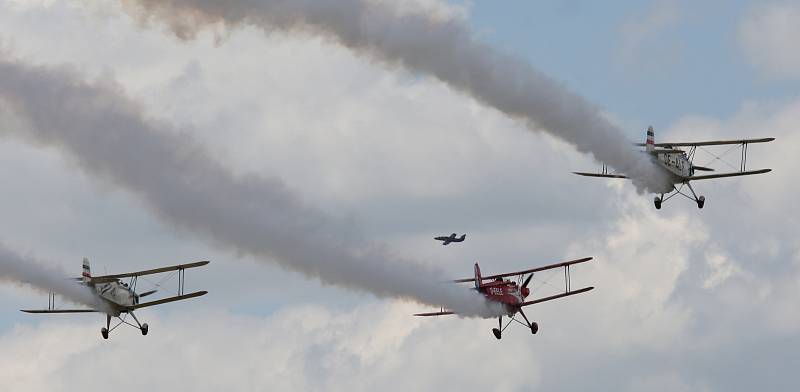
x,y
87,270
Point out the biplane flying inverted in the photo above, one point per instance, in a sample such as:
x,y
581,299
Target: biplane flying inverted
x,y
680,168
512,294
120,298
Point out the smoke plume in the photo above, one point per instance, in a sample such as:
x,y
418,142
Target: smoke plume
x,y
424,42
15,268
109,137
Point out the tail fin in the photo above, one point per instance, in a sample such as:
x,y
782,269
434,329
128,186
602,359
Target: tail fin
x,y
87,270
650,145
478,280
463,237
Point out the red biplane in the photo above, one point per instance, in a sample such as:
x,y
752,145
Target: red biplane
x,y
512,294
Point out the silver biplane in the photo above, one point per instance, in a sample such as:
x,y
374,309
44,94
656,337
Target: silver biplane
x,y
680,168
119,298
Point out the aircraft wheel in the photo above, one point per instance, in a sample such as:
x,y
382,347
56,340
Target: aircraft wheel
x,y
496,333
534,328
104,332
657,202
145,328
701,202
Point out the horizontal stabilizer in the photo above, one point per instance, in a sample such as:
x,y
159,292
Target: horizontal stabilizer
x,y
557,296
434,314
600,175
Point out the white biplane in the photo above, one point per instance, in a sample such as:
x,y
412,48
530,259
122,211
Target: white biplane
x,y
680,168
120,299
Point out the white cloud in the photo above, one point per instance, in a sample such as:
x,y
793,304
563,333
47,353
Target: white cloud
x,y
768,35
411,158
307,348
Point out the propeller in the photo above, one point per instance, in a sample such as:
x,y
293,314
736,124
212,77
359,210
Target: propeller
x,y
701,168
527,280
146,293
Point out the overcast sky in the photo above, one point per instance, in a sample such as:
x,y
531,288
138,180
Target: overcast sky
x,y
686,299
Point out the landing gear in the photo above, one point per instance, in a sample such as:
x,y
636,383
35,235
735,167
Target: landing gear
x,y
678,190
701,201
104,331
498,332
142,327
533,326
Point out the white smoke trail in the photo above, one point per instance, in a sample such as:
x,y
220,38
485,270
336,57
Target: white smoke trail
x,y
430,44
109,137
15,268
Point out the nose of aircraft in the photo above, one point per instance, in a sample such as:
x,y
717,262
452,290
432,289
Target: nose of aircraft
x,y
525,292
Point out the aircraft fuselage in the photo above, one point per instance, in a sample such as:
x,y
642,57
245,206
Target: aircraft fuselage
x,y
116,293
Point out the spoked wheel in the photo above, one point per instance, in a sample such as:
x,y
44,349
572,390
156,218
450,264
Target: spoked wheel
x,y
534,328
145,328
496,333
104,332
701,201
657,202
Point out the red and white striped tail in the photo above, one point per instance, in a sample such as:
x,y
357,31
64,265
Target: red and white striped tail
x,y
478,280
651,139
87,270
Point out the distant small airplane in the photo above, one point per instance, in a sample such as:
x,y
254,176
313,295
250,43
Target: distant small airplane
x,y
121,297
512,295
451,238
680,167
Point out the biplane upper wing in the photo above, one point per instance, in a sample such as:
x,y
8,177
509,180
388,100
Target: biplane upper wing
x,y
167,300
557,296
58,311
445,313
600,175
712,142
732,174
547,267
113,278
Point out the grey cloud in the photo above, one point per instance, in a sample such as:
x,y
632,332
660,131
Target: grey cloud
x,y
110,137
443,48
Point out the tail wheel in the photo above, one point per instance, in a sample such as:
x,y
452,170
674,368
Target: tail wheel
x,y
496,333
104,332
534,328
145,328
701,201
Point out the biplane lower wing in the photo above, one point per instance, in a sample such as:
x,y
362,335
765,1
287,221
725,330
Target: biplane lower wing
x,y
733,174
447,313
600,175
557,296
528,271
167,300
39,311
